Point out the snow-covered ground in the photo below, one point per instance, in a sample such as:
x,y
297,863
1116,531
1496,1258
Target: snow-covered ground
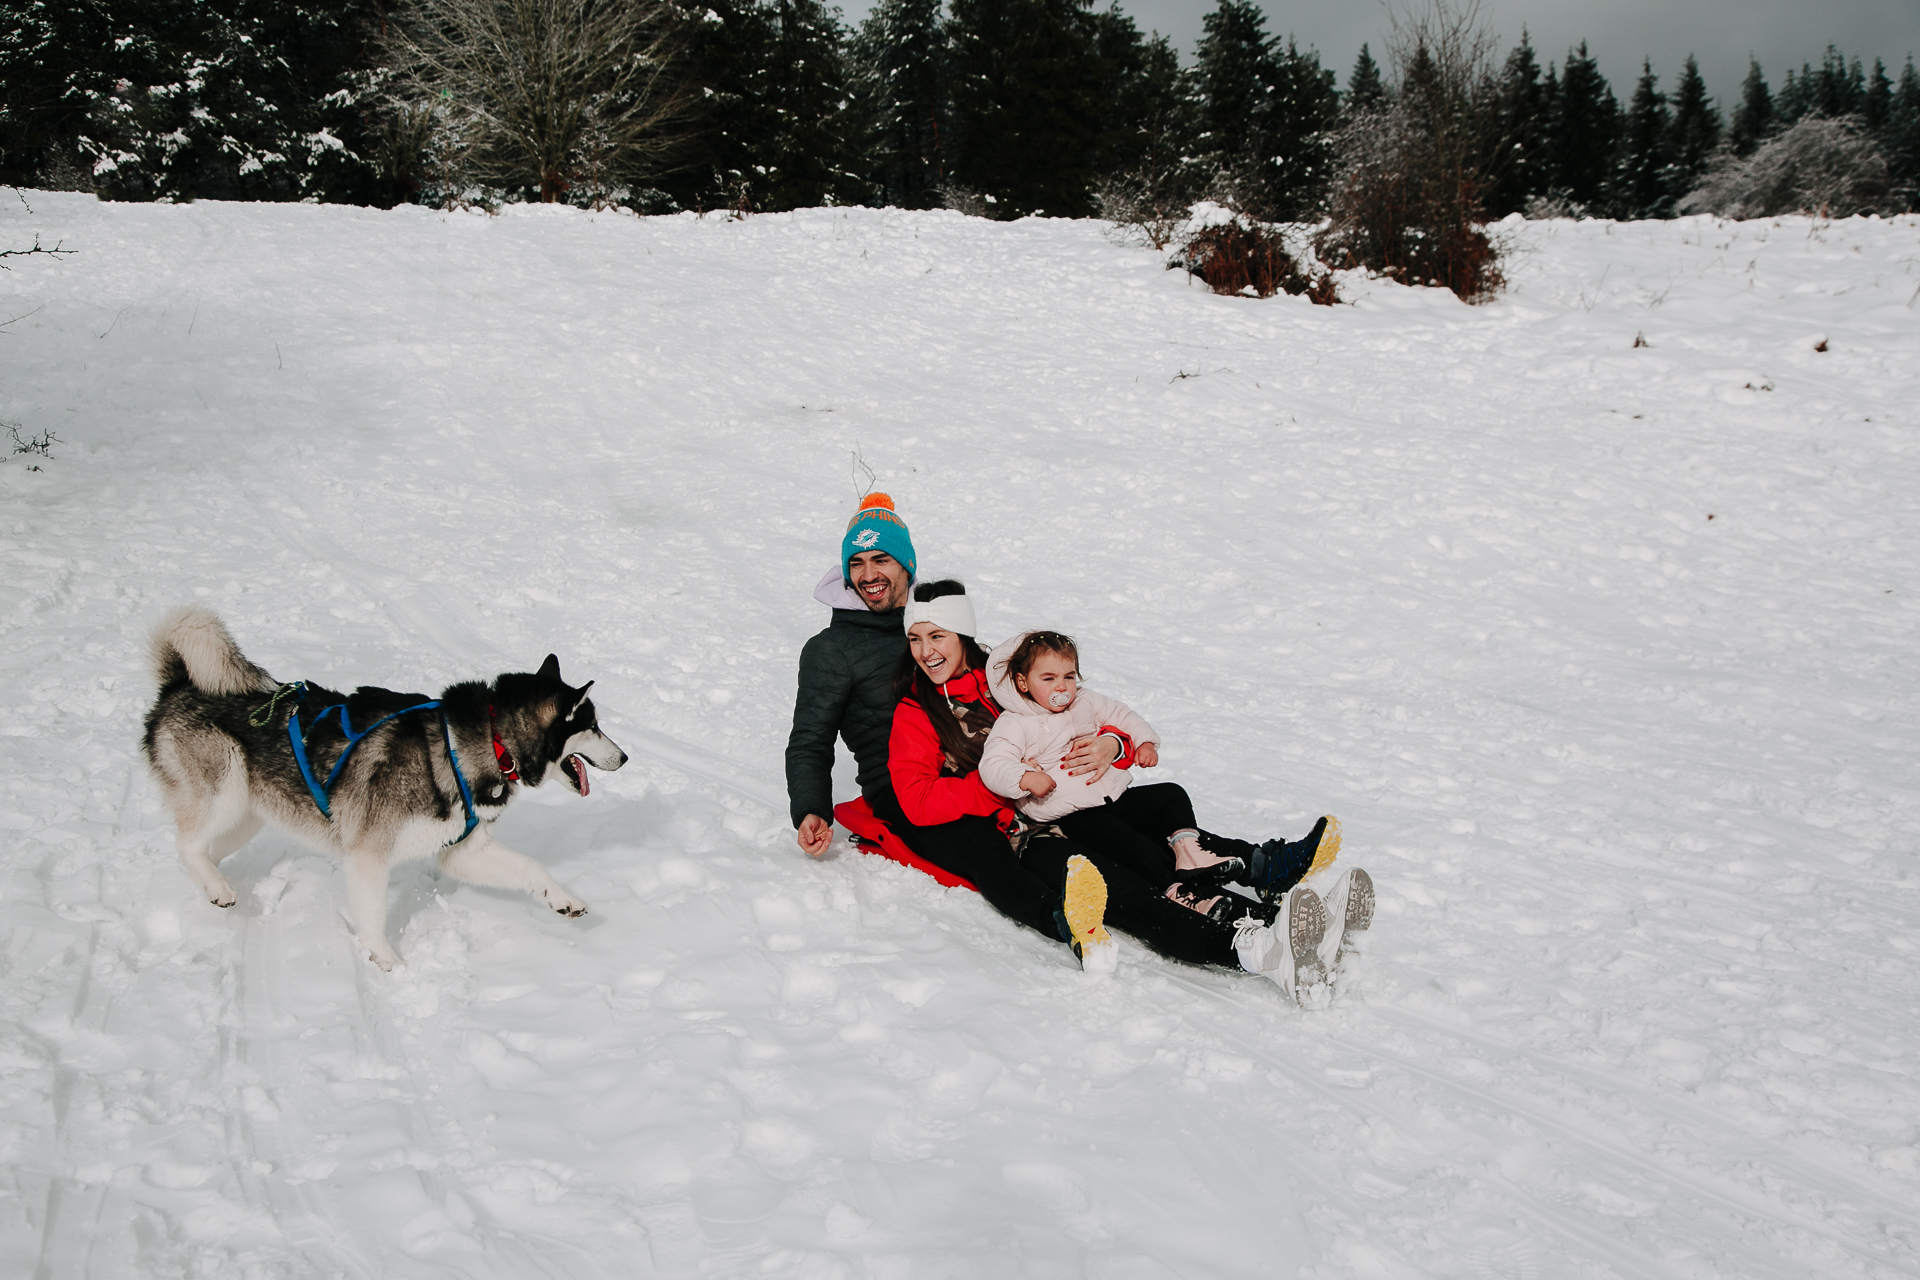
x,y
1604,655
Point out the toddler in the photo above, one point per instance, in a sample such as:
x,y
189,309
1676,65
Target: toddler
x,y
1035,678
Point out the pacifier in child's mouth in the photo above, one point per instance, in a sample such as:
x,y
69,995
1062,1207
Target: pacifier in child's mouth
x,y
1059,699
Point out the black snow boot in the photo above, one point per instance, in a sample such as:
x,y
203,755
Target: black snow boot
x,y
1227,907
1278,865
1217,876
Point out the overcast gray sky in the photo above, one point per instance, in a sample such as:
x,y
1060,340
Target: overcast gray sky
x,y
1721,33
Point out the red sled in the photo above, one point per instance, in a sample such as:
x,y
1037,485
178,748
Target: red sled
x,y
871,835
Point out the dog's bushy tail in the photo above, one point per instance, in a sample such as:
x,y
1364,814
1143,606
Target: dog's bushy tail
x,y
192,646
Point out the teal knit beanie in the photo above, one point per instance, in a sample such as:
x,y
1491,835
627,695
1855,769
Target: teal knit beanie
x,y
876,527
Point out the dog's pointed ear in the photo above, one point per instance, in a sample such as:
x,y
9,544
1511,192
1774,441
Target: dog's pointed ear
x,y
582,702
550,669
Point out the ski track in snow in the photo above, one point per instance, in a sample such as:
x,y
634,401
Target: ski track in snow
x,y
1636,785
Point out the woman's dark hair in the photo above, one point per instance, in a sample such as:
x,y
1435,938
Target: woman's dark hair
x,y
1033,646
909,681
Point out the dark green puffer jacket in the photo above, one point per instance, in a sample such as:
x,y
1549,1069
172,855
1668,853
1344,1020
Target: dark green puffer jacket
x,y
846,689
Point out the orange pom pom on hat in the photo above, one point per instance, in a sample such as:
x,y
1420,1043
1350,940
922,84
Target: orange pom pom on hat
x,y
876,526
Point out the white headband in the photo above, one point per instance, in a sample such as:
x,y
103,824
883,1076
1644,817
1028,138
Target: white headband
x,y
949,613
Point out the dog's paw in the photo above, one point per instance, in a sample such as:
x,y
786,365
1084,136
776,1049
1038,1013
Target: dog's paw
x,y
222,895
563,902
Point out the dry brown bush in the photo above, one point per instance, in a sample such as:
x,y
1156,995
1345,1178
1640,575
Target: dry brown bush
x,y
1406,201
1237,258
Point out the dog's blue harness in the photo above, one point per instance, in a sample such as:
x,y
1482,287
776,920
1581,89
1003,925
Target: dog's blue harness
x,y
321,790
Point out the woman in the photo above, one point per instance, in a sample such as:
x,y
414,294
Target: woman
x,y
944,813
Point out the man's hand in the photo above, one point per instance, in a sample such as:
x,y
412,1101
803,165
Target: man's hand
x,y
1146,755
1094,754
1037,784
815,834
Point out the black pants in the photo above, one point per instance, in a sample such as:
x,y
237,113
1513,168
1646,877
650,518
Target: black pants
x,y
975,849
1029,889
1132,829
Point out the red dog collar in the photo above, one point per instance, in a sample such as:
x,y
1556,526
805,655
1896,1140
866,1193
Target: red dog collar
x,y
500,752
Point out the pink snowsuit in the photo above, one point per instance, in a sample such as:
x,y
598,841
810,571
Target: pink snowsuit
x,y
1026,731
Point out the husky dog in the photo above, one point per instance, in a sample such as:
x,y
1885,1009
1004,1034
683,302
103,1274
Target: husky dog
x,y
406,777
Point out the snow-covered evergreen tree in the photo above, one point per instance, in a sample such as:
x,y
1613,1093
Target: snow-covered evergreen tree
x,y
1268,113
1641,181
1877,102
1900,136
1365,86
1147,111
729,64
1583,131
1696,130
227,99
1753,120
1518,161
899,58
1027,103
815,154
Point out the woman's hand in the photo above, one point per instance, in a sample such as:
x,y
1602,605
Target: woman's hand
x,y
1092,754
1146,755
1037,784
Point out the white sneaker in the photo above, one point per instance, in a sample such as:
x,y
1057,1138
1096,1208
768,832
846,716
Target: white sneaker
x,y
1288,950
1349,904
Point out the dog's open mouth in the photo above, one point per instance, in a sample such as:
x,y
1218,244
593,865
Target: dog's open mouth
x,y
575,767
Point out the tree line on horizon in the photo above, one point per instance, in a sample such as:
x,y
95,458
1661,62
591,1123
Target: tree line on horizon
x,y
997,107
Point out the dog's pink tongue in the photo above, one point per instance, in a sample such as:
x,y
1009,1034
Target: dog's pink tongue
x,y
579,773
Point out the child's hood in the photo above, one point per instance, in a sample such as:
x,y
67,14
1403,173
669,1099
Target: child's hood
x,y
1000,680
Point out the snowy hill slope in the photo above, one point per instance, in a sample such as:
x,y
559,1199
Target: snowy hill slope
x,y
1603,654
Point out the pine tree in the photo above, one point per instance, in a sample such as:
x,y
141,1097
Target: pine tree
x,y
1795,98
1641,187
813,156
1026,97
1519,160
55,61
1696,130
1837,88
1148,116
1268,113
246,99
1365,88
1901,135
1584,130
729,56
1297,132
901,59
1235,76
1755,118
1877,102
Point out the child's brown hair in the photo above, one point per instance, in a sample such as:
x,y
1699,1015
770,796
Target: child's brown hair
x,y
1037,643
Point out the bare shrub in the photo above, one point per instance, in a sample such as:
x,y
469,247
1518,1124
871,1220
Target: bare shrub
x,y
1406,200
1240,257
1554,204
1829,168
552,95
965,200
1141,210
40,445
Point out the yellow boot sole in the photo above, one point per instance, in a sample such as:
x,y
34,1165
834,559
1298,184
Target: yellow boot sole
x,y
1085,908
1329,847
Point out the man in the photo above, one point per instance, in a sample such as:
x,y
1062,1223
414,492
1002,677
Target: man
x,y
846,671
846,675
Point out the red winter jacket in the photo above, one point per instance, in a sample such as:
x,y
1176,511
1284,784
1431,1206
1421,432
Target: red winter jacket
x,y
927,795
